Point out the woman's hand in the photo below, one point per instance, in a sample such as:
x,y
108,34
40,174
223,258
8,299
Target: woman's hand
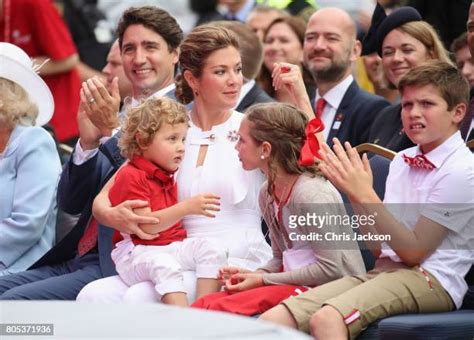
x,y
288,76
226,272
243,281
203,205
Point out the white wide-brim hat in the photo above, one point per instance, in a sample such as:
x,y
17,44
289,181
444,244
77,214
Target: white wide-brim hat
x,y
15,65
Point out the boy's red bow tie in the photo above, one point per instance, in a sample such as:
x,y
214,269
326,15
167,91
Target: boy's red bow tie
x,y
419,161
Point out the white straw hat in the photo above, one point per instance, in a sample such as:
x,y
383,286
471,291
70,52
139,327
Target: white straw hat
x,y
15,65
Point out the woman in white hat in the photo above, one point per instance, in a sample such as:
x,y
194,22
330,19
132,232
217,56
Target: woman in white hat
x,y
29,163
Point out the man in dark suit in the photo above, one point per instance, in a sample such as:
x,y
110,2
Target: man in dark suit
x,y
330,49
83,255
467,129
251,51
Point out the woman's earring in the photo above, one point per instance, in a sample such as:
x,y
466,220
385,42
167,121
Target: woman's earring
x,y
196,93
262,157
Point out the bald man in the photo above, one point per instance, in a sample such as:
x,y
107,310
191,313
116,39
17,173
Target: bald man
x,y
330,50
114,68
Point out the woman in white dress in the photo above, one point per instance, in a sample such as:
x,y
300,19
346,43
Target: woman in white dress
x,y
211,77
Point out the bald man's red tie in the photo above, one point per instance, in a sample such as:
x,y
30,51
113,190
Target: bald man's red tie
x,y
320,104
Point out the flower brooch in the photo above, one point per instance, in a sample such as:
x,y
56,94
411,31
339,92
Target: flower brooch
x,y
233,136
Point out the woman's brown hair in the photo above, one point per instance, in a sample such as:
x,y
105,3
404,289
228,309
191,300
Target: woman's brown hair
x,y
200,43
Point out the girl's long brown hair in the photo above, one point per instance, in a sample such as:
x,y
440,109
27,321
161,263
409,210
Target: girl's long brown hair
x,y
283,126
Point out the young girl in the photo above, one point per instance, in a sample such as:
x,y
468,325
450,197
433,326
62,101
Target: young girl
x,y
153,140
272,137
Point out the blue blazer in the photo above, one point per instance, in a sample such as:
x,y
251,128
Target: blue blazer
x,y
355,115
255,96
78,186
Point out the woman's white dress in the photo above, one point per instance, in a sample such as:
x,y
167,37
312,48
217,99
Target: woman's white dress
x,y
236,227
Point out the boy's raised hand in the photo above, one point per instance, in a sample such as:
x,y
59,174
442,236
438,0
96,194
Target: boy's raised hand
x,y
203,205
345,169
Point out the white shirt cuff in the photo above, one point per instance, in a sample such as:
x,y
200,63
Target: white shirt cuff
x,y
81,156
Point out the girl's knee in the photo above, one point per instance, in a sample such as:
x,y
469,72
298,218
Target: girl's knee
x,y
280,315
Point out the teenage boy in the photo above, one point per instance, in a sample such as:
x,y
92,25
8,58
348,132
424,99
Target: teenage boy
x,y
422,268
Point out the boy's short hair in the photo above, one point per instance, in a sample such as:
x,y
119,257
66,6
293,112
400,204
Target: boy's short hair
x,y
142,122
449,81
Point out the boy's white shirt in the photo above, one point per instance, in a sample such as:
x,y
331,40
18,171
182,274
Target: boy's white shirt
x,y
444,195
80,156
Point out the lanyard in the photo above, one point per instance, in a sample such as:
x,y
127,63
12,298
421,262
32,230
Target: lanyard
x,y
280,205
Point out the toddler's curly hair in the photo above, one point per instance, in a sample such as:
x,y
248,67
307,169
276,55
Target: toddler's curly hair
x,y
142,122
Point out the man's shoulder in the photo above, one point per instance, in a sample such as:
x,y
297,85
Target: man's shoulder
x,y
263,97
111,151
370,98
359,99
260,95
256,95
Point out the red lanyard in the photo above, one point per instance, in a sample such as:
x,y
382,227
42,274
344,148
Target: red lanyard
x,y
280,205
